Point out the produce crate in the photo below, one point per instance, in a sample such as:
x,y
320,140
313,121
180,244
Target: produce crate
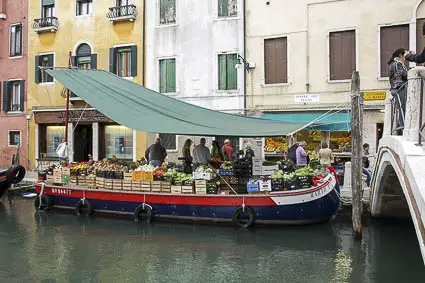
x,y
202,176
212,190
266,186
156,186
304,181
81,180
73,180
66,172
201,187
278,185
145,186
117,184
138,175
127,185
225,172
100,182
176,189
187,189
108,184
292,185
148,176
253,187
49,179
136,185
128,176
166,187
268,170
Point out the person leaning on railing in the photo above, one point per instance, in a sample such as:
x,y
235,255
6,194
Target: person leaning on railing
x,y
417,58
398,81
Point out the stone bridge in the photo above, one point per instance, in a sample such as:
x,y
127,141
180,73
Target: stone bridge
x,y
398,184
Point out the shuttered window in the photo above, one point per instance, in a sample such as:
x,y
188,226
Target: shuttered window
x,y
13,96
84,7
227,72
16,40
168,141
43,61
167,75
123,61
14,138
276,60
167,12
392,38
342,55
227,8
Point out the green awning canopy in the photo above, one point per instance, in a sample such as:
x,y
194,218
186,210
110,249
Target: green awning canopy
x,y
141,109
323,121
48,2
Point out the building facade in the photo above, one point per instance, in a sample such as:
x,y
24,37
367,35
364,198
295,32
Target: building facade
x,y
106,35
306,51
13,80
193,53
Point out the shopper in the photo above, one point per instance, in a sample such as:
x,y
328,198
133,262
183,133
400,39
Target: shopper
x,y
156,153
417,58
398,81
301,154
325,156
187,157
216,153
227,150
292,152
249,152
62,152
366,164
201,154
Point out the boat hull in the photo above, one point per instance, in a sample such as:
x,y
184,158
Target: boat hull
x,y
317,204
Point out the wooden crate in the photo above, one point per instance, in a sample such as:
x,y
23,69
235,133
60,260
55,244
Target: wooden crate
x,y
117,184
109,184
156,186
137,175
81,180
165,187
148,176
100,182
49,179
136,185
128,176
145,186
73,180
127,185
66,171
201,187
176,189
187,189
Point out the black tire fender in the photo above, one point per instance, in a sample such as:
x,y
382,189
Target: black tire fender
x,y
143,210
84,207
241,211
43,202
16,174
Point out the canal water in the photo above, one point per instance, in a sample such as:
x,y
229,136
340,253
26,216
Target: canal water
x,y
60,247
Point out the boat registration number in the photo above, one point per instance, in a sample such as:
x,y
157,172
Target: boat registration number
x,y
320,192
63,192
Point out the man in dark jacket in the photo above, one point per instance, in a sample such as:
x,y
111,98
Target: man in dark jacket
x,y
292,153
417,58
156,153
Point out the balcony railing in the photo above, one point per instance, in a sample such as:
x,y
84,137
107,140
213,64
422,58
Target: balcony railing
x,y
122,13
48,24
14,107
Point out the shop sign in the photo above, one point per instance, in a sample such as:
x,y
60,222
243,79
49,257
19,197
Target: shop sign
x,y
375,95
84,116
305,98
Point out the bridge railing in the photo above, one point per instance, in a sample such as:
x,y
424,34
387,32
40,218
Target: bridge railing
x,y
398,109
421,112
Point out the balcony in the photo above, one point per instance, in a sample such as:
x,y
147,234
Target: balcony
x,y
122,13
48,24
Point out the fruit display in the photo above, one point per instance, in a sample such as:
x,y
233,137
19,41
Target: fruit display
x,y
227,165
159,173
276,144
204,169
314,163
183,178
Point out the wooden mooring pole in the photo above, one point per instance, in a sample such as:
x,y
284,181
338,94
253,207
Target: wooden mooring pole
x,y
356,149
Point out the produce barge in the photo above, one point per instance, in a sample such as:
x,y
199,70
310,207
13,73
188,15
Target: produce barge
x,y
310,205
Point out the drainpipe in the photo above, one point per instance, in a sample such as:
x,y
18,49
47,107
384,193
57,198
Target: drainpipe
x,y
244,55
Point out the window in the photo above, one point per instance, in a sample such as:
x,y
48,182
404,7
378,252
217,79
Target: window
x,y
227,72
13,96
169,141
16,40
54,136
167,12
118,142
227,8
276,60
123,61
48,8
84,58
14,138
84,7
121,3
392,37
342,55
42,62
167,75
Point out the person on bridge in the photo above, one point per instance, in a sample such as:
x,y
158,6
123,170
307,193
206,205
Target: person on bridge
x,y
398,81
417,58
365,160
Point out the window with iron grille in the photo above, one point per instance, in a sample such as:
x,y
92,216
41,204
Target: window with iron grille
x,y
167,75
227,8
84,7
342,55
276,60
16,40
14,138
227,72
167,12
168,141
392,38
13,96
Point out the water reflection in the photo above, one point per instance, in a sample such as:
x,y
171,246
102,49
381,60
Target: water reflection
x,y
62,247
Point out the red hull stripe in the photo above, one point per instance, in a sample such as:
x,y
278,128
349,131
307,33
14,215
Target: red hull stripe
x,y
202,200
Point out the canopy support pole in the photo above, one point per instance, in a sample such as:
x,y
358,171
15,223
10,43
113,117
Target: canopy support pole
x,y
67,104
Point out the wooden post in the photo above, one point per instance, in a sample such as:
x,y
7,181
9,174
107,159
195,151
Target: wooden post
x,y
356,149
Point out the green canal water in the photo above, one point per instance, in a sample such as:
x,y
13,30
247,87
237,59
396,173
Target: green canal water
x,y
60,247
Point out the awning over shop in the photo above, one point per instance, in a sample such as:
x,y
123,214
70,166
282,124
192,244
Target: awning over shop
x,y
145,110
323,121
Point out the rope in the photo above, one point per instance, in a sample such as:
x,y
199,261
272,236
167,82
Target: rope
x,y
79,119
225,181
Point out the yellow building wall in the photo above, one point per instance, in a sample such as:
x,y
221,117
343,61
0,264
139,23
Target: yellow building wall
x,y
95,30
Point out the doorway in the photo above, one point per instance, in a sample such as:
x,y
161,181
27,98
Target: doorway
x,y
379,133
83,142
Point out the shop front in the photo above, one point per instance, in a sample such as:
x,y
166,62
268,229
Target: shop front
x,y
89,133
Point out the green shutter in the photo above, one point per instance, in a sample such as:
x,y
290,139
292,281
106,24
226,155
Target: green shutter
x,y
223,10
133,60
171,75
113,60
232,72
37,70
50,64
162,76
6,96
48,2
222,70
22,96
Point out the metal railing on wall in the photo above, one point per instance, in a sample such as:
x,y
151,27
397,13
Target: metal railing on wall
x,y
421,135
45,22
122,11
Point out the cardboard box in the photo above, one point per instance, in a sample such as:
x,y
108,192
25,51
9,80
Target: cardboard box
x,y
202,176
148,176
66,171
137,175
128,176
265,186
81,180
176,189
57,173
268,170
49,179
100,182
